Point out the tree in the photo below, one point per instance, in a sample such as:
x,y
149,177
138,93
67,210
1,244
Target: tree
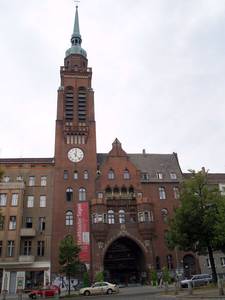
x,y
69,257
198,224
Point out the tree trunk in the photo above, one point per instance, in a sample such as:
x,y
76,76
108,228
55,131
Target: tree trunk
x,y
212,263
69,284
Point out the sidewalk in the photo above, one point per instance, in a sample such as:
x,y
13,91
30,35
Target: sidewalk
x,y
198,293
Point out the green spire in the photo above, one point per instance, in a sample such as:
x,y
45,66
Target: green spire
x,y
76,39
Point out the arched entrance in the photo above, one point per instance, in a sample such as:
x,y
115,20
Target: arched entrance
x,y
124,262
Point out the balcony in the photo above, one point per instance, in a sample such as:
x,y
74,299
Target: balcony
x,y
100,231
26,258
27,232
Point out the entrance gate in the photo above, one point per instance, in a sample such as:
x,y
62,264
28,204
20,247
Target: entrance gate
x,y
124,262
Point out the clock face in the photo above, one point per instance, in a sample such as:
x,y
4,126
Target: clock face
x,y
75,154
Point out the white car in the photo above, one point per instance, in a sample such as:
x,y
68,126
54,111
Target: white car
x,y
99,288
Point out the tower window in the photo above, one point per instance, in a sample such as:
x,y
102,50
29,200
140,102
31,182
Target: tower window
x,y
65,174
69,95
82,105
86,174
75,175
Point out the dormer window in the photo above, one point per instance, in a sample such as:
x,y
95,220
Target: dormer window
x,y
173,175
159,175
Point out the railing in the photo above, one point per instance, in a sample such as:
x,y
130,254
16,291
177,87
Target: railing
x,y
27,232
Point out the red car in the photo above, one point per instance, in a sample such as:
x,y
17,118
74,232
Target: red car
x,y
45,292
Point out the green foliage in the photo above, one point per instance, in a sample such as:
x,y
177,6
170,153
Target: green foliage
x,y
166,275
99,276
69,257
85,279
153,277
199,218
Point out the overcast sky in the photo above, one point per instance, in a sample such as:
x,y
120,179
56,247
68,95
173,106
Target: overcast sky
x,y
158,75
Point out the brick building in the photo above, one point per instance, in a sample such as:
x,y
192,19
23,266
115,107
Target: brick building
x,y
116,205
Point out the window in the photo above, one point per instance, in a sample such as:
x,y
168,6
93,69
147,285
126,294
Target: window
x,y
1,246
159,175
173,175
145,216
222,261
82,194
75,175
140,217
122,217
94,218
5,178
41,224
65,175
100,195
111,174
164,213
162,193
2,222
43,180
69,218
157,262
12,222
27,248
40,248
30,201
68,104
28,222
169,260
222,188
43,201
85,175
10,248
176,192
111,219
69,194
126,174
82,104
19,178
31,181
145,176
15,198
3,199
208,263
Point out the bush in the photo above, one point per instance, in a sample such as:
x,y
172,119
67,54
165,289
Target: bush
x,y
166,275
85,279
153,277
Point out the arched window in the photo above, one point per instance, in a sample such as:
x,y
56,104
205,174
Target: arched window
x,y
116,190
82,104
69,218
146,216
126,174
75,175
111,218
68,108
82,194
108,191
69,194
85,174
131,190
164,213
122,217
123,190
111,174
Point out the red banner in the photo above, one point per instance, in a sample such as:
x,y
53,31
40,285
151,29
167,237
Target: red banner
x,y
83,231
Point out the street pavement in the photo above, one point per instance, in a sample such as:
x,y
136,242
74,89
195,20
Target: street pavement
x,y
143,293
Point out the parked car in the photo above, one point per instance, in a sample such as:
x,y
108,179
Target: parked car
x,y
197,280
99,288
45,292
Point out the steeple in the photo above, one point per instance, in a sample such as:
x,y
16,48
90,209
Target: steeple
x,y
76,39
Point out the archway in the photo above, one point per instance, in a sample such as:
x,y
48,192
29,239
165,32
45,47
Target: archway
x,y
124,262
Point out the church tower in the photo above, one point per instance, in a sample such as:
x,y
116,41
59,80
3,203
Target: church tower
x,y
75,151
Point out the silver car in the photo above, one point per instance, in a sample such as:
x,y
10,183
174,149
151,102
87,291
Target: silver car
x,y
197,280
99,288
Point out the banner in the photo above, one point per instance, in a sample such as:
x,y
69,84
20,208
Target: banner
x,y
83,231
